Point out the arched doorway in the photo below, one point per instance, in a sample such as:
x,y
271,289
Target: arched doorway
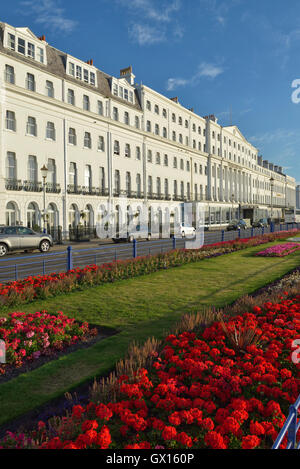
x,y
73,216
12,214
33,216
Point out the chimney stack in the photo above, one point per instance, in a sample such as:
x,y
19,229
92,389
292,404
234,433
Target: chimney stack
x,y
127,74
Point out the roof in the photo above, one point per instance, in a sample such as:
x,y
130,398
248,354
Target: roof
x,y
56,65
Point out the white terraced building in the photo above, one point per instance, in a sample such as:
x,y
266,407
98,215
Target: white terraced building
x,y
102,137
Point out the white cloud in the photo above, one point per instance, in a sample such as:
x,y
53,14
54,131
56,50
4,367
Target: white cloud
x,y
146,35
152,21
275,136
48,12
207,70
156,11
173,83
219,9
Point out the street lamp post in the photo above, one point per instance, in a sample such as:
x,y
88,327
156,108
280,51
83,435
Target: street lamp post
x,y
44,171
272,188
232,199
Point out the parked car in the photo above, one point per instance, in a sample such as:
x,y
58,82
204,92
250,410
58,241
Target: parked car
x,y
125,236
260,223
20,238
186,230
237,225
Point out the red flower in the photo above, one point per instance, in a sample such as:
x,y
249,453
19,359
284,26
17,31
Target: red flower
x,y
250,442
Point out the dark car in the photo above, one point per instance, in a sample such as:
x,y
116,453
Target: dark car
x,y
263,222
237,225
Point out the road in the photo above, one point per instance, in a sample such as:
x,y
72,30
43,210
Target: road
x,y
20,265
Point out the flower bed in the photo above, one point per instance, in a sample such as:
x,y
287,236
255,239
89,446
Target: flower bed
x,y
280,250
228,386
43,286
29,336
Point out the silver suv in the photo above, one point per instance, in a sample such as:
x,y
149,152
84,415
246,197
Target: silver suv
x,y
20,238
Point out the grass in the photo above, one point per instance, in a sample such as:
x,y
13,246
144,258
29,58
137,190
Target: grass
x,y
138,308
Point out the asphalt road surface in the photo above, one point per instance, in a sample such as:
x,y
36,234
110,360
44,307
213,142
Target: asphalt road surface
x,y
20,265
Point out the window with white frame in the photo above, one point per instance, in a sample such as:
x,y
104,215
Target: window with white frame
x,y
78,72
9,74
127,150
30,82
51,175
115,114
11,41
100,108
116,147
31,127
72,136
50,131
138,185
86,103
157,159
49,89
175,162
165,132
11,165
156,129
73,174
166,162
126,118
101,146
149,156
88,176
138,153
137,122
148,126
21,46
71,97
31,50
102,178
10,121
32,169
87,141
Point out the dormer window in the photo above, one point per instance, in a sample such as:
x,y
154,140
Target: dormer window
x,y
31,50
72,69
78,72
25,45
21,46
11,41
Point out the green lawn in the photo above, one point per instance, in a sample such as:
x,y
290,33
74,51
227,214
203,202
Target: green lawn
x,y
139,308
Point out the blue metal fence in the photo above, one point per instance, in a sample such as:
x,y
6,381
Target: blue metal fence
x,y
61,261
290,429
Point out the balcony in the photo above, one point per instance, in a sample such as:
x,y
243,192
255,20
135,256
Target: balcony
x,y
32,186
13,184
86,190
178,198
53,187
73,189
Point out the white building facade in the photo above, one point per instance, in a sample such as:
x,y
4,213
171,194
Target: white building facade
x,y
103,138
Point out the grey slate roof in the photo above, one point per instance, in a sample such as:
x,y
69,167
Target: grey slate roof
x,y
56,64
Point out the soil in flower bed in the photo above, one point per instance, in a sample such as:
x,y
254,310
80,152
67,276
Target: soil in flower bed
x,y
102,333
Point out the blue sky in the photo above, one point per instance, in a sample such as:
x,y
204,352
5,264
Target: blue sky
x,y
215,55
